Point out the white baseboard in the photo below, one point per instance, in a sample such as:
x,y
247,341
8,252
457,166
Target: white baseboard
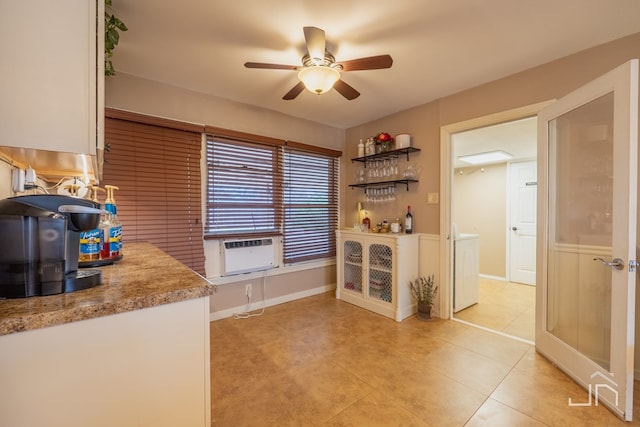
x,y
488,276
229,312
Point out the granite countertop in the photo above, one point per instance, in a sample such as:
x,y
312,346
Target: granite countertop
x,y
145,277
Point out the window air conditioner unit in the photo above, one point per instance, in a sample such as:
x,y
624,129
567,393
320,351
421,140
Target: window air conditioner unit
x,y
246,256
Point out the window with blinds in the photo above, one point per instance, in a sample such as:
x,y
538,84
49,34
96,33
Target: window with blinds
x,y
310,205
265,188
243,186
157,168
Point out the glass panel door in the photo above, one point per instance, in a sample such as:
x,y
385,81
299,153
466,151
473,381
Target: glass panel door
x,y
587,200
580,227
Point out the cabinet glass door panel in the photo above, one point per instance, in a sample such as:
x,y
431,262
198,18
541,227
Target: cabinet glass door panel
x,y
352,266
380,267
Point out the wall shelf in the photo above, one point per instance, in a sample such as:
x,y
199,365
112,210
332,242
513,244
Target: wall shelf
x,y
394,182
387,154
384,156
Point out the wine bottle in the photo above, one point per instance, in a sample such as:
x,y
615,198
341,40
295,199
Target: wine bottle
x,y
408,221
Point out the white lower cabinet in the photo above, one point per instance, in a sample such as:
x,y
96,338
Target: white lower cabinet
x,y
374,271
147,367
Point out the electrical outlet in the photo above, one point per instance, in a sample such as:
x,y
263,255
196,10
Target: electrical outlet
x,y
247,290
30,176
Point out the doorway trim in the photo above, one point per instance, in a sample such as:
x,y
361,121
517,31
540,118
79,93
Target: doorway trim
x,y
446,178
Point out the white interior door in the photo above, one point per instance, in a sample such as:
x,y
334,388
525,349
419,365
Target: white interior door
x,y
523,183
586,235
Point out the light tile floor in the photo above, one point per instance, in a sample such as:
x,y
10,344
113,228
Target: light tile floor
x,y
504,306
319,361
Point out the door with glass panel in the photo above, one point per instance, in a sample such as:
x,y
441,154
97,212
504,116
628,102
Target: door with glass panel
x,y
586,237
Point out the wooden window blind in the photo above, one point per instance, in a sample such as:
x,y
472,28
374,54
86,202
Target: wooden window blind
x,y
158,171
243,188
256,188
310,205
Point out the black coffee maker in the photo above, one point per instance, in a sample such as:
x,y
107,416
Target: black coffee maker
x,y
39,245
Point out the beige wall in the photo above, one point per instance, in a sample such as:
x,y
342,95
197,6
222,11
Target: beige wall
x,y
132,93
542,83
479,210
423,124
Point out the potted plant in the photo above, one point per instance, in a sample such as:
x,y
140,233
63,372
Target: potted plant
x,y
111,36
384,140
424,291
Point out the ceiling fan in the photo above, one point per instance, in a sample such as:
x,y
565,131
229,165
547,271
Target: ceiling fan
x,y
320,72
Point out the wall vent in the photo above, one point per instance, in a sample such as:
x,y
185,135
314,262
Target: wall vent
x,y
246,256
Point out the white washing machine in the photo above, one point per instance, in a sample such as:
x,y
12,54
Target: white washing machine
x,y
466,270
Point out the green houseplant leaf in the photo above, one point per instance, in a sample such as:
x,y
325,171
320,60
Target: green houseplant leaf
x,y
112,26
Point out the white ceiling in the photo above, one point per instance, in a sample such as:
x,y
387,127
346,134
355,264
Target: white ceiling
x,y
517,137
439,47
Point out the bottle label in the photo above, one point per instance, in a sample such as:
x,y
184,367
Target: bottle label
x,y
115,240
111,242
90,245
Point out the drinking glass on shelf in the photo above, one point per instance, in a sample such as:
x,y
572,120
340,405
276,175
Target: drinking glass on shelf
x,y
394,166
371,172
384,194
392,194
368,198
379,169
411,172
373,195
386,168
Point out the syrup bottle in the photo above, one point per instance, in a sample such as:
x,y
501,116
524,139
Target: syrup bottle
x,y
111,228
90,240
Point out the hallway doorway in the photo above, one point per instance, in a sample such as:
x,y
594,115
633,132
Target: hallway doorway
x,y
479,204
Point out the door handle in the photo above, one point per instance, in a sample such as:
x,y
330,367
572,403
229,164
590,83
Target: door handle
x,y
514,228
616,263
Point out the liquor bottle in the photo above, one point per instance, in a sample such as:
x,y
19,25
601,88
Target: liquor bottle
x,y
368,147
361,149
408,221
366,221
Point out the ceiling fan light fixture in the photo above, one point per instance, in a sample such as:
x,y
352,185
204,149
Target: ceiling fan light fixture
x,y
318,79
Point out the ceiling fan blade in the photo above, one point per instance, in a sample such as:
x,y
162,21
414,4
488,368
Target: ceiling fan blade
x,y
294,92
346,90
270,66
315,39
368,63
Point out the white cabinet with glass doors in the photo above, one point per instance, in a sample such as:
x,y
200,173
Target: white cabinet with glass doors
x,y
374,271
